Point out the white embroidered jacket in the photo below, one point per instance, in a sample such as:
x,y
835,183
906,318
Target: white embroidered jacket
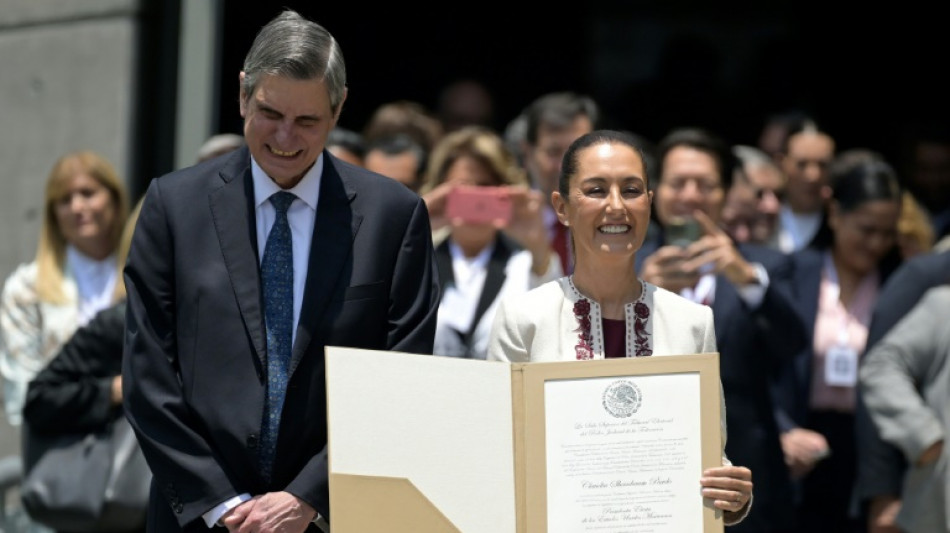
x,y
540,326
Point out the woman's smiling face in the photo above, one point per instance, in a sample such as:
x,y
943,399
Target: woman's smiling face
x,y
607,206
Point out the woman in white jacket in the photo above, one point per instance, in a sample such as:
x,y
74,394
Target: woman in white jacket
x,y
604,309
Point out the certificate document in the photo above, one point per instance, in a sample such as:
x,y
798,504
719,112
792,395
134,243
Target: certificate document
x,y
624,454
428,443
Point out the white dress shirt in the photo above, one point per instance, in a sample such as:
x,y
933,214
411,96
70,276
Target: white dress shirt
x,y
95,282
301,216
796,230
752,294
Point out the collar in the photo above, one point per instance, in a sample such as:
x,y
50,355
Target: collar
x,y
85,268
480,260
636,319
307,190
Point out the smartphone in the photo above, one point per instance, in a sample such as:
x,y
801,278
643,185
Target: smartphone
x,y
682,231
479,205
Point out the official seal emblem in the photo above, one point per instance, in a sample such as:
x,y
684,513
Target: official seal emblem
x,y
622,398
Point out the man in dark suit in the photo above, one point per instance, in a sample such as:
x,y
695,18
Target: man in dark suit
x,y
226,394
746,285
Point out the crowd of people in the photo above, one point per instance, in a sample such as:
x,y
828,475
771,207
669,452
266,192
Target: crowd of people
x,y
817,272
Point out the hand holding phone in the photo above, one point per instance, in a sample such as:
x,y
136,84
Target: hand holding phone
x,y
683,231
479,205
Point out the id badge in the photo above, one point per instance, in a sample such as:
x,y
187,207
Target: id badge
x,y
841,366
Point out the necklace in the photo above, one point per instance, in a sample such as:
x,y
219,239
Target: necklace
x,y
590,331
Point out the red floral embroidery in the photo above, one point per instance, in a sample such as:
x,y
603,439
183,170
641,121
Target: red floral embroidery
x,y
640,330
583,348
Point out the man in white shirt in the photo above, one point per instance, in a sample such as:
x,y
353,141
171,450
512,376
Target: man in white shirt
x,y
242,270
805,159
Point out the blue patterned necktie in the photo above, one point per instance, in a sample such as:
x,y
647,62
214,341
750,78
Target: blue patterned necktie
x,y
277,278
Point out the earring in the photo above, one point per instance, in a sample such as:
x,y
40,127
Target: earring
x,y
566,223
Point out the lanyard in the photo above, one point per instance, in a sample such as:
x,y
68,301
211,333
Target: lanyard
x,y
831,273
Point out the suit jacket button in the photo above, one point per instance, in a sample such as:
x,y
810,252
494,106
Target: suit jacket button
x,y
252,441
179,508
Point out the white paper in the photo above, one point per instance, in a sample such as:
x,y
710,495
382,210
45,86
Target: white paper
x,y
624,454
443,423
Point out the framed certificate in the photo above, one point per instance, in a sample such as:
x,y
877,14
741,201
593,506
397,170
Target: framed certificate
x,y
429,443
619,445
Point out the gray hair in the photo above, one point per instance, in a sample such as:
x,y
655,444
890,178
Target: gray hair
x,y
294,47
753,157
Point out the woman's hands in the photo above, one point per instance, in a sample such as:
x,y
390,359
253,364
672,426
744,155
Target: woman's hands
x,y
729,487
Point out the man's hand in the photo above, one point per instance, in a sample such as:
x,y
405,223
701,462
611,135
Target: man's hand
x,y
717,249
931,454
803,448
116,390
882,514
274,512
665,268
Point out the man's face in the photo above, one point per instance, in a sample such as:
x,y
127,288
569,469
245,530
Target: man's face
x,y
739,212
286,124
402,167
767,185
690,181
543,160
806,167
930,177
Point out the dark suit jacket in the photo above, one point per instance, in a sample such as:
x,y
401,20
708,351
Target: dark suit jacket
x,y
753,344
74,391
194,369
794,384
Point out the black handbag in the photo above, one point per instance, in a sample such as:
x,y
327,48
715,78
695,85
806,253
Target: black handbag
x,y
97,482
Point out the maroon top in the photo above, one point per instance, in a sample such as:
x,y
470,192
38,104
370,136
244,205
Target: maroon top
x,y
615,332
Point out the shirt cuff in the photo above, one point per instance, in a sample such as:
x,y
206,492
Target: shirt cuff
x,y
211,517
753,293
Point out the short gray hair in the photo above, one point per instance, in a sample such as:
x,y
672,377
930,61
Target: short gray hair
x,y
294,47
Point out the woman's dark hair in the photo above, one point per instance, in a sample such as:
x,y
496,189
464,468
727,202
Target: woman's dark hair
x,y
857,177
864,181
570,161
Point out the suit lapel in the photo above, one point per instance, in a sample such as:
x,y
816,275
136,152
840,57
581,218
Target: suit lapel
x,y
232,209
443,263
726,302
334,229
808,283
494,279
